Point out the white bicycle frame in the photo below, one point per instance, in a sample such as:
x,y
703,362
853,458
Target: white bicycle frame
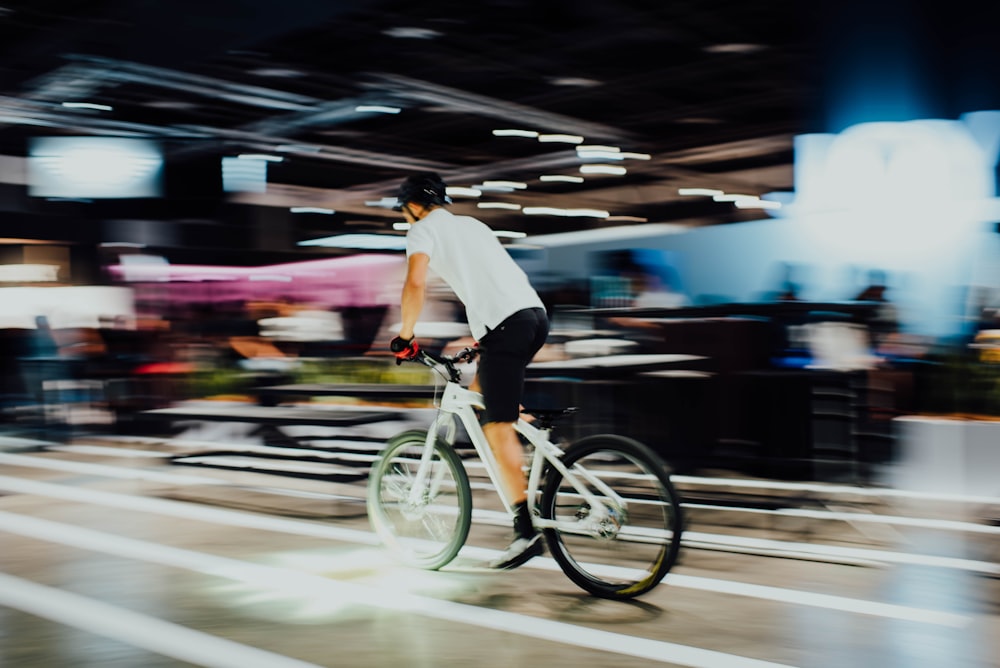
x,y
459,402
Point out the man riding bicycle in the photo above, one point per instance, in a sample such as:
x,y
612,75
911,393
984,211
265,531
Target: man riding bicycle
x,y
505,314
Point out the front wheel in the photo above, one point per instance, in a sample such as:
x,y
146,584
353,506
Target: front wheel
x,y
626,550
425,527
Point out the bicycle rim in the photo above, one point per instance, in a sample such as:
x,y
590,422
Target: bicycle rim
x,y
629,552
426,530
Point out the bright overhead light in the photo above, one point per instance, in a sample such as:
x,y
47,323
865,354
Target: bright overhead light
x,y
599,155
734,48
707,192
732,197
384,203
560,178
531,134
581,82
572,213
407,32
503,185
603,169
757,204
260,156
499,205
87,105
361,241
609,153
401,227
459,191
563,139
507,234
377,109
312,209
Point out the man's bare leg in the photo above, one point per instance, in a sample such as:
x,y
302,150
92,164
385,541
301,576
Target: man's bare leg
x,y
509,453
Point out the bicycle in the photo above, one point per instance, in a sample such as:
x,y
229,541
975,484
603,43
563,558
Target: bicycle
x,y
610,515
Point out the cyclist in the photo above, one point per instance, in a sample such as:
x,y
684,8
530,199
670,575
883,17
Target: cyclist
x,y
505,314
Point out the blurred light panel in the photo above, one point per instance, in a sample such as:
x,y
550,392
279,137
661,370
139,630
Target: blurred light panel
x,y
312,209
261,156
561,139
733,197
600,155
707,192
499,205
504,186
384,203
459,191
531,134
571,213
377,109
87,105
613,170
360,241
560,178
94,167
756,203
244,175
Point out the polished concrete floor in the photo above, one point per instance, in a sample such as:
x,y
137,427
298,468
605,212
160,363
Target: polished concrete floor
x,y
141,551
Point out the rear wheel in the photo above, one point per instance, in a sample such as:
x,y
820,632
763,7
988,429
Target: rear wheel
x,y
627,552
428,528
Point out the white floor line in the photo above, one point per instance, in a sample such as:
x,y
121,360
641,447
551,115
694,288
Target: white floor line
x,y
828,488
318,587
104,470
777,547
105,451
136,629
256,521
923,523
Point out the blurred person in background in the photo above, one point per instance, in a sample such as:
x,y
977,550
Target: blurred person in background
x,y
884,323
506,316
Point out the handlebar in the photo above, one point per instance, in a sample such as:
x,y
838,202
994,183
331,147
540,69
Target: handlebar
x,y
449,362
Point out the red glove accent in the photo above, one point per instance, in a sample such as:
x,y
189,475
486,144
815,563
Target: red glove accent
x,y
405,349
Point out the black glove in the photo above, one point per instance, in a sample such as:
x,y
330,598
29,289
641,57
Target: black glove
x,y
405,349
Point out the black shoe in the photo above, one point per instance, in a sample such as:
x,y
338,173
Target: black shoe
x,y
520,551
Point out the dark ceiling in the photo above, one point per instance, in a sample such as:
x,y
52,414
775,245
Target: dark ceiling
x,y
704,93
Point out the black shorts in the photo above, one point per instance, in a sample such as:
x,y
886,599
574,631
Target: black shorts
x,y
503,355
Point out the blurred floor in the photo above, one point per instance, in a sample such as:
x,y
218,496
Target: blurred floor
x,y
113,556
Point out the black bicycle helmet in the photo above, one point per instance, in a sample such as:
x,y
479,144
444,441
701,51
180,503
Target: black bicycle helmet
x,y
426,189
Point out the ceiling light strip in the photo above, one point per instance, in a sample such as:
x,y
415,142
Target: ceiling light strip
x,y
561,139
499,205
603,169
572,213
376,109
510,132
312,209
560,178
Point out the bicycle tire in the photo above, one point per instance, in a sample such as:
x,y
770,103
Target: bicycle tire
x,y
430,533
630,553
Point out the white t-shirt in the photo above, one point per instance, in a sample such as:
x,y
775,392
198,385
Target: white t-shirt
x,y
465,253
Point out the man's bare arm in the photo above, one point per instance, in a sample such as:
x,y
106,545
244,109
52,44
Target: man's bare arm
x,y
414,290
